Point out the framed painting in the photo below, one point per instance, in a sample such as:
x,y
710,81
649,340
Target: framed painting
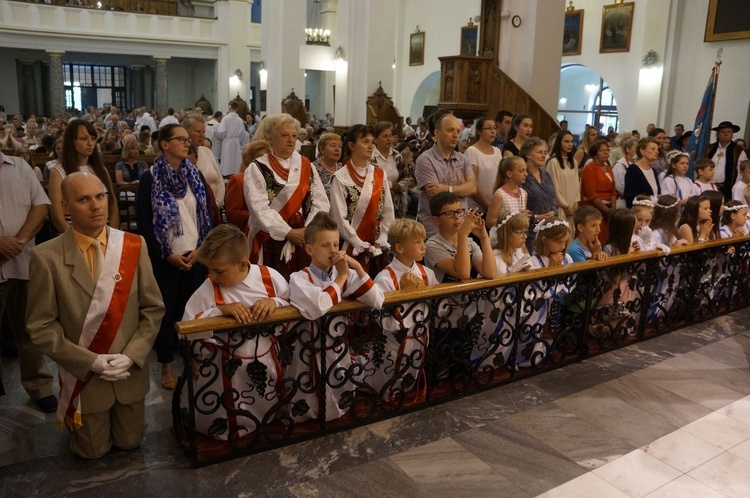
x,y
573,32
416,49
469,39
617,24
727,20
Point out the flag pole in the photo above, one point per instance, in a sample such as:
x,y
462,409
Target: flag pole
x,y
717,66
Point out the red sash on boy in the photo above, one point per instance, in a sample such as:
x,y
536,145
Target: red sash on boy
x,y
364,221
421,390
103,317
227,352
288,202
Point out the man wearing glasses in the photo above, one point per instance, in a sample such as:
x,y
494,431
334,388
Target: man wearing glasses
x,y
442,169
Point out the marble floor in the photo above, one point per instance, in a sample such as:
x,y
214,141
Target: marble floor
x,y
669,417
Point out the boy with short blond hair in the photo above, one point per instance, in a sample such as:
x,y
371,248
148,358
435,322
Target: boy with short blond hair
x,y
588,222
247,293
332,276
403,363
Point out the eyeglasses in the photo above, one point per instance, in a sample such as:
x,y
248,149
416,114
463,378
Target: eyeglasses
x,y
453,214
521,233
182,140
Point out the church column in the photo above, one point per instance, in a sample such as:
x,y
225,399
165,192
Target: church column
x,y
280,49
353,34
148,87
650,78
328,15
27,87
162,103
56,83
233,18
541,21
136,86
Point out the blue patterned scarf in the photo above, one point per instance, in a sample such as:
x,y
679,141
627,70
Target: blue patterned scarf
x,y
169,186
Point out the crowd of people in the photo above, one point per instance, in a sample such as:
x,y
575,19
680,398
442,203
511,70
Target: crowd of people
x,y
378,209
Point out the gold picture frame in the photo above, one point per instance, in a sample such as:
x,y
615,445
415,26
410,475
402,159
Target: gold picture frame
x,y
573,32
469,39
723,23
617,26
416,48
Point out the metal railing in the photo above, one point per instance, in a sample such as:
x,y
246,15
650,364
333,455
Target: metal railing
x,y
285,379
162,7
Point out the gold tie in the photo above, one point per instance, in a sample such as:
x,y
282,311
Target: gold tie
x,y
98,259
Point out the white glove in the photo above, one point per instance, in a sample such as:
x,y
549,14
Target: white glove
x,y
287,251
101,363
119,367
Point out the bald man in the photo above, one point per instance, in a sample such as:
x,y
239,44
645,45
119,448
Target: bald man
x,y
95,311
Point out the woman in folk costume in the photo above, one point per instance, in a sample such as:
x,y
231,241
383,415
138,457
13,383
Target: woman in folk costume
x,y
173,208
361,201
283,192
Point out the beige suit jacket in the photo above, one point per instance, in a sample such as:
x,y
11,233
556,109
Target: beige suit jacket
x,y
60,291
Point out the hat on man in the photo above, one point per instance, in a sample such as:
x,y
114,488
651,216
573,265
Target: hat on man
x,y
727,124
685,135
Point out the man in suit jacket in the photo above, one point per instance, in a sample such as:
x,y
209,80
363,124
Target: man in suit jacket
x,y
95,309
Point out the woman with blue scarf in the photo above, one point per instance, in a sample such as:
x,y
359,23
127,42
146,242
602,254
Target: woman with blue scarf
x,y
174,216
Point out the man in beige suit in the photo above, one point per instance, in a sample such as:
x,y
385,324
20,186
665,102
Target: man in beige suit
x,y
94,308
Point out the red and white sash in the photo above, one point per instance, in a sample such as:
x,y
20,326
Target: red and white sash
x,y
364,221
228,352
290,198
103,318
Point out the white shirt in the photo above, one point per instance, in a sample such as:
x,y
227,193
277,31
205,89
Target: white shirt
x,y
738,191
169,120
20,191
720,160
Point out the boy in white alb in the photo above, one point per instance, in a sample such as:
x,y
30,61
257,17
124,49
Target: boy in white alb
x,y
402,367
738,191
248,293
314,290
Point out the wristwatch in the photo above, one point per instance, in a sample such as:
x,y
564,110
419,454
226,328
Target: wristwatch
x,y
450,188
701,240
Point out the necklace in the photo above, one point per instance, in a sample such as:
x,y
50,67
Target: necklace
x,y
278,168
358,179
325,166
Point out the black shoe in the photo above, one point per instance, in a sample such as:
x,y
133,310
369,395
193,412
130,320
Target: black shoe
x,y
47,404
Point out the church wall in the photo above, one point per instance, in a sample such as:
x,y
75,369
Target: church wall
x,y
441,21
9,79
674,29
691,66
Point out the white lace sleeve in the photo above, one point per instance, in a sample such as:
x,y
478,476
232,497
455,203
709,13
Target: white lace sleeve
x,y
386,218
320,202
261,214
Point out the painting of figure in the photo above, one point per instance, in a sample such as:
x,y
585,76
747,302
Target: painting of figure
x,y
617,22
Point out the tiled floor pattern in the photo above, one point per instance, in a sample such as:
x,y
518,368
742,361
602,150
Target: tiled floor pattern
x,y
667,417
